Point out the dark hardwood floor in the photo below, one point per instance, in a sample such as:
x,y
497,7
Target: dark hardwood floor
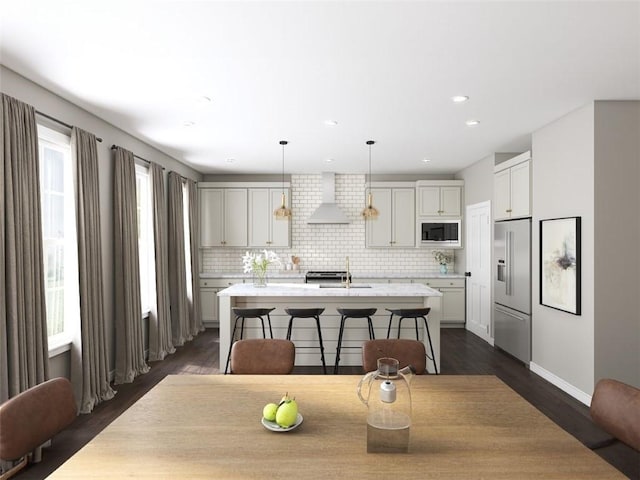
x,y
463,354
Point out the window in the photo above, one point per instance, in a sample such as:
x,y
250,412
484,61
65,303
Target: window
x,y
187,240
59,240
146,244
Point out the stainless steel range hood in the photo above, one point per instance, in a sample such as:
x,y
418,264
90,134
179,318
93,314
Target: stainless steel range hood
x,y
328,211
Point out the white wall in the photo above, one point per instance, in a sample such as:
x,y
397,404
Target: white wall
x,y
563,186
617,241
324,247
44,101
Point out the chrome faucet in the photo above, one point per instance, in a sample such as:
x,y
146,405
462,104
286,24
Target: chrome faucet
x,y
347,280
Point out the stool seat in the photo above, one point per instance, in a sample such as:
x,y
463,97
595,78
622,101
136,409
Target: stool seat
x,y
352,313
410,312
304,312
251,312
357,312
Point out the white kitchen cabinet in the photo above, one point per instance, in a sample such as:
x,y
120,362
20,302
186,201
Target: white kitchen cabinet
x,y
512,188
453,299
223,217
264,229
439,198
395,225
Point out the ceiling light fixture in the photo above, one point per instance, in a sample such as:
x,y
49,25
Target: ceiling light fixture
x,y
329,160
188,123
472,123
330,123
426,160
459,98
283,213
370,212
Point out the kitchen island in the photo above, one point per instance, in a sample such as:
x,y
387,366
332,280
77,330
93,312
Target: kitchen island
x,y
283,295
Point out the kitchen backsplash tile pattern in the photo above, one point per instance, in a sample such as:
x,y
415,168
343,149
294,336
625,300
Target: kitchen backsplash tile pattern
x,y
324,247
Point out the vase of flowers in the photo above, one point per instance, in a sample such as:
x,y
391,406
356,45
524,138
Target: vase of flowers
x,y
257,263
443,258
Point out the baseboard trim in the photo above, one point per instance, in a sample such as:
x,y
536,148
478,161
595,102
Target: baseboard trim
x,y
561,384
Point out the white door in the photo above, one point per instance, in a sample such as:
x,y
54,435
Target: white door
x,y
478,248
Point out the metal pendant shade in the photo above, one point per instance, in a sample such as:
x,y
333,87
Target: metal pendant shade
x,y
282,212
370,212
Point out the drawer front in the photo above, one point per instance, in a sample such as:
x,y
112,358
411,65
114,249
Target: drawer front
x,y
219,282
441,282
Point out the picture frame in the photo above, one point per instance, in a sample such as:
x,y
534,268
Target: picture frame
x,y
560,264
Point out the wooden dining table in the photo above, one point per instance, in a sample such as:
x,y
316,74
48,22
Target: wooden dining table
x,y
209,426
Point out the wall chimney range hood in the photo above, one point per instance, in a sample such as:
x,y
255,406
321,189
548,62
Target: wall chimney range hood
x,y
328,211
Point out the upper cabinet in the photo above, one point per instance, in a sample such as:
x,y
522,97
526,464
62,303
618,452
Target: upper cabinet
x,y
395,225
439,198
223,217
234,216
264,229
512,188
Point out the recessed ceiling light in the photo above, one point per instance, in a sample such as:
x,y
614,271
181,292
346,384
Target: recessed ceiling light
x,y
472,123
459,98
426,160
329,160
203,100
330,123
188,123
230,160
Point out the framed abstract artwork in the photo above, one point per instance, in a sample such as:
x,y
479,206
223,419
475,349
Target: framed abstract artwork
x,y
560,264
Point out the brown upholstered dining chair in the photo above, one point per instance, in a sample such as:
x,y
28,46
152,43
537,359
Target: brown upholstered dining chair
x,y
33,417
268,356
406,351
615,407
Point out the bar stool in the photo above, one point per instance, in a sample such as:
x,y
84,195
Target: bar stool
x,y
414,313
241,314
352,313
307,313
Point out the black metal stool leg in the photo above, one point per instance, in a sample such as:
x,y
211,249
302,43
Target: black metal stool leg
x,y
433,355
372,335
417,333
270,329
324,366
399,325
335,367
289,327
264,334
389,327
233,334
242,328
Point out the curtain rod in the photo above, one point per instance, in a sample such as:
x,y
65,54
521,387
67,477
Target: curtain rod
x,y
60,122
113,147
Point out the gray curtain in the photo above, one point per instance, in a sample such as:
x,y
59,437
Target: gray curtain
x,y
160,344
24,353
129,340
177,269
89,353
195,316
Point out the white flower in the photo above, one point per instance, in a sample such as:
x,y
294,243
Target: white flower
x,y
258,262
442,257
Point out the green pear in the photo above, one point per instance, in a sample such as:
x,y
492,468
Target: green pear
x,y
269,411
287,413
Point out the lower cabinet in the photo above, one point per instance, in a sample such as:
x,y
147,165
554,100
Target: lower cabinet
x,y
209,289
453,299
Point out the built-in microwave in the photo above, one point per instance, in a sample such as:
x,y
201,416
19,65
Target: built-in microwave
x,y
445,233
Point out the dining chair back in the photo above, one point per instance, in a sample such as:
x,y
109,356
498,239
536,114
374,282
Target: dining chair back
x,y
32,417
406,351
269,356
615,406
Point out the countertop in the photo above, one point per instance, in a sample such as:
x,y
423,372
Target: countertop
x,y
280,274
314,290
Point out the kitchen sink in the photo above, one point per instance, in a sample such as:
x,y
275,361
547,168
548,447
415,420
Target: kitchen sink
x,y
339,285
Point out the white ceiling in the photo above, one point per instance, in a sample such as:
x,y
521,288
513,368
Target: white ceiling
x,y
277,70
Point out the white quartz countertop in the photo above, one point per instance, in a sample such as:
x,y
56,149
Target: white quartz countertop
x,y
315,290
355,275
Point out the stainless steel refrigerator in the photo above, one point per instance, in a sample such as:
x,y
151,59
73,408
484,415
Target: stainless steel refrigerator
x,y
512,287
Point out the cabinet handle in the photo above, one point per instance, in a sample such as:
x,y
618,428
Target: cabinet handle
x,y
269,243
509,210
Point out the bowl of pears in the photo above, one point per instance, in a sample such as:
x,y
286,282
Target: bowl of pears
x,y
282,416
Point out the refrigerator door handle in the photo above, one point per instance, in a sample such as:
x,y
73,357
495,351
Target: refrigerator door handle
x,y
512,315
507,243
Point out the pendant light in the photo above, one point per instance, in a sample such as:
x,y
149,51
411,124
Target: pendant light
x,y
282,213
370,212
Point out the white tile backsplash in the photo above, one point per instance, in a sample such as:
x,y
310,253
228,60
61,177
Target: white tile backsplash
x,y
324,247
